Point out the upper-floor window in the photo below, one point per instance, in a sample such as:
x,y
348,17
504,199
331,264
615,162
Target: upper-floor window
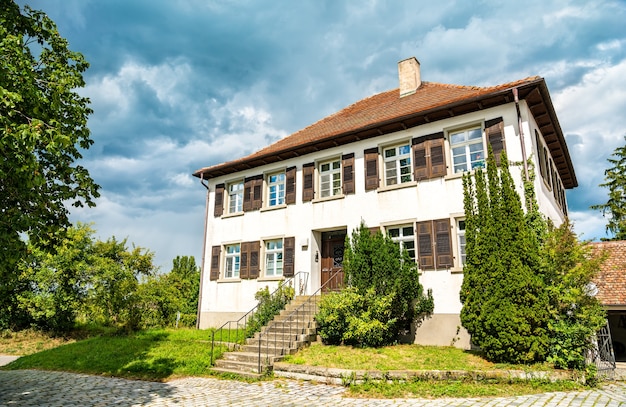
x,y
397,161
330,178
467,149
274,257
276,189
235,197
232,261
405,236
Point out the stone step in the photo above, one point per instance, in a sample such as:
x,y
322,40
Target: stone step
x,y
247,357
237,372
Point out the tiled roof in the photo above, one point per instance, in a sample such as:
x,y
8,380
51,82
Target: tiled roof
x,y
388,112
611,279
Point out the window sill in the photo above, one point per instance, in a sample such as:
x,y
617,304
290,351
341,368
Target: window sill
x,y
271,278
232,215
328,198
411,184
273,208
456,270
229,280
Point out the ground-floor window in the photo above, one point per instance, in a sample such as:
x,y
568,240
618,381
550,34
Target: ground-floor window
x,y
405,236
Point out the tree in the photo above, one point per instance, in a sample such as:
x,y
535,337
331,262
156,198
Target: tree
x,y
615,181
43,124
383,297
505,305
185,277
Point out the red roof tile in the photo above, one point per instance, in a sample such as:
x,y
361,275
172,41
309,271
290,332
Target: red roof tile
x,y
611,279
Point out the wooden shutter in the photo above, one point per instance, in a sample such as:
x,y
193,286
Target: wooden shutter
x,y
244,256
215,263
308,170
219,200
254,249
371,169
443,244
247,194
425,245
429,160
437,158
347,168
257,192
290,185
494,129
289,254
374,230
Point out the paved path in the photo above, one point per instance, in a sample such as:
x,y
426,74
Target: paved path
x,y
37,388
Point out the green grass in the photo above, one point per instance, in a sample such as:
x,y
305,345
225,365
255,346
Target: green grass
x,y
399,357
155,355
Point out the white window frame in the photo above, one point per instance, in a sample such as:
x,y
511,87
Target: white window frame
x,y
235,197
465,148
232,260
402,239
274,257
397,165
461,242
330,178
276,187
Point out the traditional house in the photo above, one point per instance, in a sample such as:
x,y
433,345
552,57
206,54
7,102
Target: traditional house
x,y
611,284
395,161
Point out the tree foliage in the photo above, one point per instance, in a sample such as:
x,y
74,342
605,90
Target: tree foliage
x,y
43,126
384,295
505,305
615,181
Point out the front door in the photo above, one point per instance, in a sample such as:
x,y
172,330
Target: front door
x,y
332,260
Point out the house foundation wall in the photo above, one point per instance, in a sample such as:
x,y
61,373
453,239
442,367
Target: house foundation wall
x,y
442,330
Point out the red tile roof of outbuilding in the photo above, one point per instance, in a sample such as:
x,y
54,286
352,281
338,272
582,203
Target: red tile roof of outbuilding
x,y
611,279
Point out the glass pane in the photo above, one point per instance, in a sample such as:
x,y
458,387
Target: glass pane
x,y
391,152
402,150
474,134
336,165
456,138
407,231
461,225
395,232
325,167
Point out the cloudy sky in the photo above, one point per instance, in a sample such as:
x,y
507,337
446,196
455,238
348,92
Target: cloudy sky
x,y
178,85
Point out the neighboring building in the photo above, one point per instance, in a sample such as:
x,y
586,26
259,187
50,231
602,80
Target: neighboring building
x,y
394,160
611,283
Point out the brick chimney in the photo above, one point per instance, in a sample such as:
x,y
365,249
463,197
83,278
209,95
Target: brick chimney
x,y
409,74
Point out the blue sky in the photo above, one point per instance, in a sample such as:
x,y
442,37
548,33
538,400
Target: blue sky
x,y
182,84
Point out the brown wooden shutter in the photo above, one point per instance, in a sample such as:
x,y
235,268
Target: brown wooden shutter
x,y
290,185
308,170
371,169
420,161
443,243
215,263
257,192
219,200
254,249
247,194
494,130
289,256
437,158
374,230
425,245
244,258
347,167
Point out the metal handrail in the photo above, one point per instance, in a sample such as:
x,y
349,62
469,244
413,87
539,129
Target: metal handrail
x,y
302,288
313,299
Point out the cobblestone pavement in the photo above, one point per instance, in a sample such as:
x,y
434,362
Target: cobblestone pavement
x,y
37,388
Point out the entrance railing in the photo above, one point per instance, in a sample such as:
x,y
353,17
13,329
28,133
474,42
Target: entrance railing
x,y
233,333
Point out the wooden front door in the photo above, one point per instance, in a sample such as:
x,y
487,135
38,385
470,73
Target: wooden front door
x,y
332,259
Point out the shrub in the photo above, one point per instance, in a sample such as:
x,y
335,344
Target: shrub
x,y
270,305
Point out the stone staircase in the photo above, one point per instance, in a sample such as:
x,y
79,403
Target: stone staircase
x,y
292,329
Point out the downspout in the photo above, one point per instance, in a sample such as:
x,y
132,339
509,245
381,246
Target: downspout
x,y
206,223
521,133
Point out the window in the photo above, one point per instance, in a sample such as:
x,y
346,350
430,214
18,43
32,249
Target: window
x,y
231,266
274,257
330,178
276,189
405,237
235,197
468,150
397,164
460,234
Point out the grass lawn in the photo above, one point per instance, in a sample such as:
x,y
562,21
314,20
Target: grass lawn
x,y
155,355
